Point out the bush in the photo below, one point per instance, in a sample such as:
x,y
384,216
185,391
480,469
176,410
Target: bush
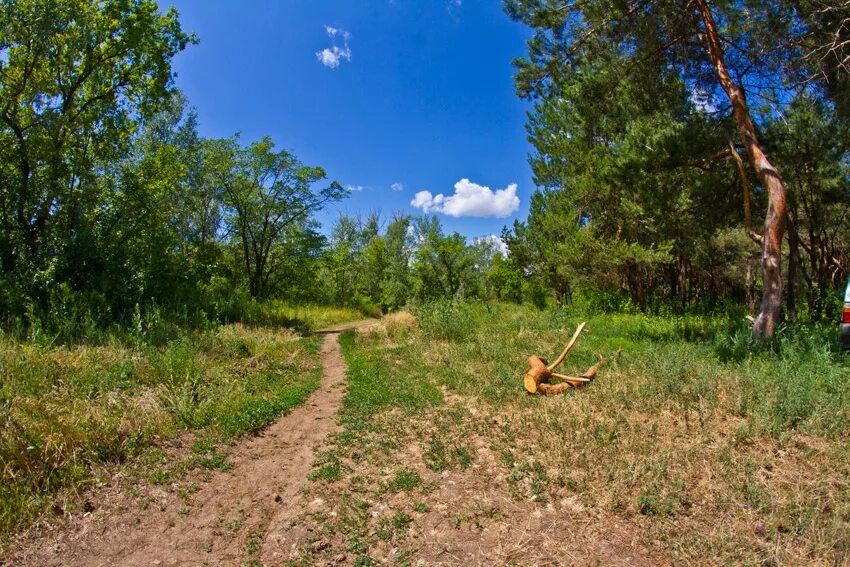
x,y
224,301
451,320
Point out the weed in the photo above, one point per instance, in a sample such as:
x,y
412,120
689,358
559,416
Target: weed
x,y
401,521
214,461
234,526
404,480
462,457
327,467
449,320
435,455
254,543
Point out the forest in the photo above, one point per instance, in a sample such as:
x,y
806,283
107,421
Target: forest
x,y
692,169
649,193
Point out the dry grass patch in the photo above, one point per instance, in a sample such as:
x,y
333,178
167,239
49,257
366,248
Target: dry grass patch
x,y
432,487
399,323
70,416
394,327
688,458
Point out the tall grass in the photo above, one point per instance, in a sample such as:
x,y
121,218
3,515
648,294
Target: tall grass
x,y
304,318
77,394
75,323
66,412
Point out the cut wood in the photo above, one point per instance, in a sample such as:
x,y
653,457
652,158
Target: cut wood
x,y
536,379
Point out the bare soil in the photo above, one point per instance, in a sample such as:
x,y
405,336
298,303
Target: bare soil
x,y
471,516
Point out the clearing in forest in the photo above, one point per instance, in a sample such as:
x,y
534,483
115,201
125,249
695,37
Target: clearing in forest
x,y
685,448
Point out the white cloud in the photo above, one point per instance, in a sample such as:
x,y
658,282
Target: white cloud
x,y
397,187
495,241
332,56
470,200
354,188
425,200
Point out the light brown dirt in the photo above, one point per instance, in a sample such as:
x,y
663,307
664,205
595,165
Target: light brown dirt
x,y
475,516
225,521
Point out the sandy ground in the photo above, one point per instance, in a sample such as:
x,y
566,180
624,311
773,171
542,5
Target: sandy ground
x,y
226,520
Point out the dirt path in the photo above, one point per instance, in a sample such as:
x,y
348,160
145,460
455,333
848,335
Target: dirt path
x,y
226,522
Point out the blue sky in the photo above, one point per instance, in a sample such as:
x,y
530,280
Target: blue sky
x,y
416,93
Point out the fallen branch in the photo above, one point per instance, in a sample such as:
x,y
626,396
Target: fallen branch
x,y
539,372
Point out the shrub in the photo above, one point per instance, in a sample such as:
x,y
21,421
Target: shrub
x,y
450,320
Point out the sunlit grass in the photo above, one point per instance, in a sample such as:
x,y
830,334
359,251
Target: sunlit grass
x,y
302,317
710,448
65,413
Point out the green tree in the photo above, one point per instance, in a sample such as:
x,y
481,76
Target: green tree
x,y
826,44
298,257
138,251
442,264
74,77
642,43
505,279
373,269
265,193
813,147
341,258
398,248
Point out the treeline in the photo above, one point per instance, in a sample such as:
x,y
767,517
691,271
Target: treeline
x,y
111,203
410,259
689,153
656,188
115,209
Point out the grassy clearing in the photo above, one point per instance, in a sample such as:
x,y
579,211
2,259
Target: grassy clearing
x,y
152,326
707,448
67,415
302,317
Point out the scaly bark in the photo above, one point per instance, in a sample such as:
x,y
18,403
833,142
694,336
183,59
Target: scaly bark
x,y
774,223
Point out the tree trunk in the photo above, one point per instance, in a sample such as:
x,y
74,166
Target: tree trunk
x,y
682,281
774,223
751,287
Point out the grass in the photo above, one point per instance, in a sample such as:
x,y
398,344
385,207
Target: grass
x,y
303,318
711,447
68,414
404,480
75,405
152,326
